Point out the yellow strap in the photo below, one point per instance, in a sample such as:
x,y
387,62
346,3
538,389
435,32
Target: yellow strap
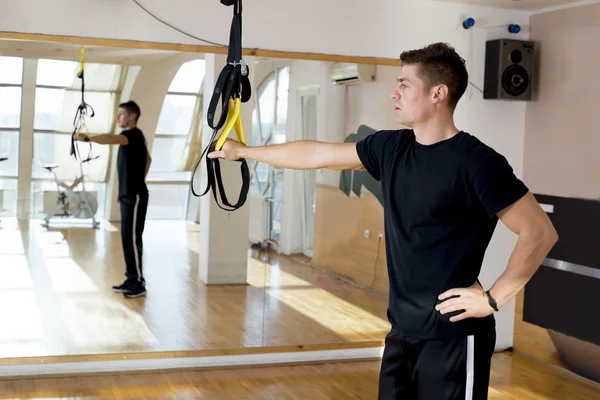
x,y
239,130
86,134
233,119
81,128
81,61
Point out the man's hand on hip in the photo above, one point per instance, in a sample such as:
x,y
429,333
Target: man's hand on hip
x,y
472,300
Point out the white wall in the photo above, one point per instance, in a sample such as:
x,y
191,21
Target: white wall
x,y
379,28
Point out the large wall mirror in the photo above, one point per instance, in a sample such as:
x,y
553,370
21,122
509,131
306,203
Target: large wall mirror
x,y
311,276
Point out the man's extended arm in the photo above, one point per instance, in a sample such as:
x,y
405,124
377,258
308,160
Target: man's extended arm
x,y
104,139
536,237
301,154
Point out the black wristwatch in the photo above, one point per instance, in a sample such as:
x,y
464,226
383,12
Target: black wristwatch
x,y
491,300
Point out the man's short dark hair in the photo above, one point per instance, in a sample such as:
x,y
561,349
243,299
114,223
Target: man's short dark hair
x,y
132,108
439,63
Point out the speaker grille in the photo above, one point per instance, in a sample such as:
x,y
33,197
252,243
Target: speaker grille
x,y
515,80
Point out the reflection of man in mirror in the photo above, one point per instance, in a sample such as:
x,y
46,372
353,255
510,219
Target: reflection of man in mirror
x,y
444,192
133,163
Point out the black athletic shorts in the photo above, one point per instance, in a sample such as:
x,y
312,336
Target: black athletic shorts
x,y
436,369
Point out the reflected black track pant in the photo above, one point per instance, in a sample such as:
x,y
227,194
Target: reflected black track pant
x,y
437,369
133,219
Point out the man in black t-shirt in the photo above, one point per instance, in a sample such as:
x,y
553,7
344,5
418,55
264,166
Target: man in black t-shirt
x,y
443,194
133,163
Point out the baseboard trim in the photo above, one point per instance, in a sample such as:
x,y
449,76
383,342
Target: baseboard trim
x,y
83,367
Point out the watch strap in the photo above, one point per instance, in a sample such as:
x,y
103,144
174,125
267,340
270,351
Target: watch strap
x,y
491,300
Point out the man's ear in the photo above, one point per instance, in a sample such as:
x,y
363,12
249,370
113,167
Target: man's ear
x,y
439,93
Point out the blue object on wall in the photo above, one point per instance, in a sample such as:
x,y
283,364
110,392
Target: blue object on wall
x,y
514,28
468,23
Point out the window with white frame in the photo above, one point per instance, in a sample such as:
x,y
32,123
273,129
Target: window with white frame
x,y
57,96
11,80
269,119
173,148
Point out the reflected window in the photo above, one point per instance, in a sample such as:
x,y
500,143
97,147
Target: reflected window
x,y
57,96
11,70
177,132
168,201
269,119
11,80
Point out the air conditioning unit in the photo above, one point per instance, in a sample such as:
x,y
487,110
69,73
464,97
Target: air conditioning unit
x,y
351,73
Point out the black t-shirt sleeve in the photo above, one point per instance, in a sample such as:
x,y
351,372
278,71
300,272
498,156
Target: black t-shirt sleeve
x,y
495,183
371,152
135,138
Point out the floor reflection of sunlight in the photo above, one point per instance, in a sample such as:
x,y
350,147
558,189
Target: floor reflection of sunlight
x,y
20,316
53,244
109,227
15,348
11,242
98,323
67,276
94,320
14,272
335,314
257,276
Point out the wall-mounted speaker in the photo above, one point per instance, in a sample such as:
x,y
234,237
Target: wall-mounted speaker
x,y
509,67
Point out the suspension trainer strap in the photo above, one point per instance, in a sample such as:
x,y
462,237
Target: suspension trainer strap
x,y
79,125
231,89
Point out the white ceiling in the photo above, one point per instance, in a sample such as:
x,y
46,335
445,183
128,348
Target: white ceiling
x,y
525,5
67,51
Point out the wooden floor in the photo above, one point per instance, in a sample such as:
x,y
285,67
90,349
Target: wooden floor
x,y
55,286
513,377
532,339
